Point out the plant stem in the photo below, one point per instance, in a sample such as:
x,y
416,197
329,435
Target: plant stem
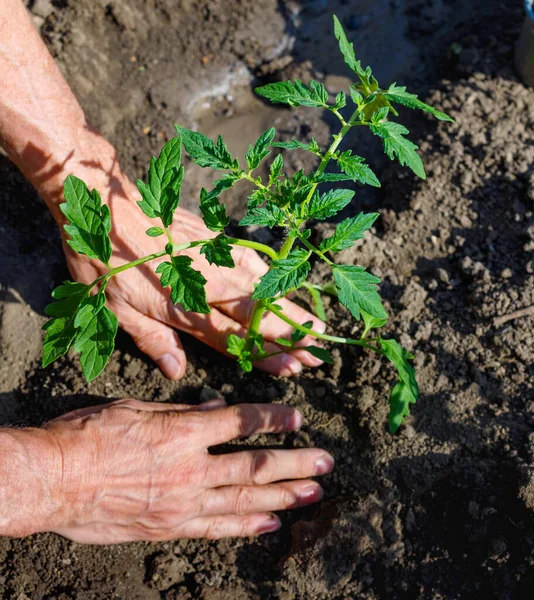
x,y
321,336
315,250
261,305
255,246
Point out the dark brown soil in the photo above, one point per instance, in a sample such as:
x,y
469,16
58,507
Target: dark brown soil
x,y
444,509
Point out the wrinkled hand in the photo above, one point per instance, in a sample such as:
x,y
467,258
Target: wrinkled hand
x,y
141,471
143,307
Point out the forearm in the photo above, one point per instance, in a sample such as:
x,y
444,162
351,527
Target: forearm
x,y
42,126
30,476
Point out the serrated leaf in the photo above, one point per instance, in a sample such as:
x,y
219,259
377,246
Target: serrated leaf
x,y
372,322
205,152
311,146
297,335
295,93
283,342
323,206
284,274
348,231
357,290
187,285
95,338
268,216
275,169
213,212
255,154
329,177
399,95
320,353
235,345
356,168
89,222
397,146
218,252
347,49
60,330
154,231
340,102
161,195
406,391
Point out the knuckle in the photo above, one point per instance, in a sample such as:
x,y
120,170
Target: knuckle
x,y
215,530
244,501
287,498
261,467
246,419
148,340
127,403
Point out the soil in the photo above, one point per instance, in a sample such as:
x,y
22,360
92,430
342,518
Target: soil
x,y
443,509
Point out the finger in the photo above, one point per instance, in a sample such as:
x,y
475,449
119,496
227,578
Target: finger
x,y
214,329
244,500
243,420
138,405
214,528
158,341
259,467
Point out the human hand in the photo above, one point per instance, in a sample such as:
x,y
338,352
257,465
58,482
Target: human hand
x,y
144,309
141,471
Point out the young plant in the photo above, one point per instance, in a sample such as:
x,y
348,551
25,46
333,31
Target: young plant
x,y
80,318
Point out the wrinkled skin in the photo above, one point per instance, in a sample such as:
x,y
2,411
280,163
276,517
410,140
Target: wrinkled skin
x,y
148,474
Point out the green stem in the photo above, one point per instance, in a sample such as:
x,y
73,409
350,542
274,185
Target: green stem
x,y
261,305
178,248
321,336
318,305
315,250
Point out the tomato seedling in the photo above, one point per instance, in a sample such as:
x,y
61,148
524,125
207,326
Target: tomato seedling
x,y
80,317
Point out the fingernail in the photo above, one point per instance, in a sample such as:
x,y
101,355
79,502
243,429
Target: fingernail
x,y
324,464
309,493
294,421
313,361
211,404
320,326
270,525
170,366
289,365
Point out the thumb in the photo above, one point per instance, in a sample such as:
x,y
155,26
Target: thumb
x,y
160,342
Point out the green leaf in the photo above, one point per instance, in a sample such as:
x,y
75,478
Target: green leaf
x,y
399,95
357,290
372,322
348,231
218,252
356,169
259,151
347,49
60,330
235,345
284,274
154,231
89,221
205,152
356,97
295,94
187,285
276,169
213,212
329,177
395,145
161,195
312,146
283,342
297,335
329,204
268,216
340,102
95,339
406,391
320,353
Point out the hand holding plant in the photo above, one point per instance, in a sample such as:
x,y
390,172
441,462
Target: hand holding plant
x,y
81,318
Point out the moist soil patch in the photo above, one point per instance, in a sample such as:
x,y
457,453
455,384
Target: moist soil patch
x,y
444,509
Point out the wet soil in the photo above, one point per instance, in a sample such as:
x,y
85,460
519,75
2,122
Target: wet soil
x,y
443,509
